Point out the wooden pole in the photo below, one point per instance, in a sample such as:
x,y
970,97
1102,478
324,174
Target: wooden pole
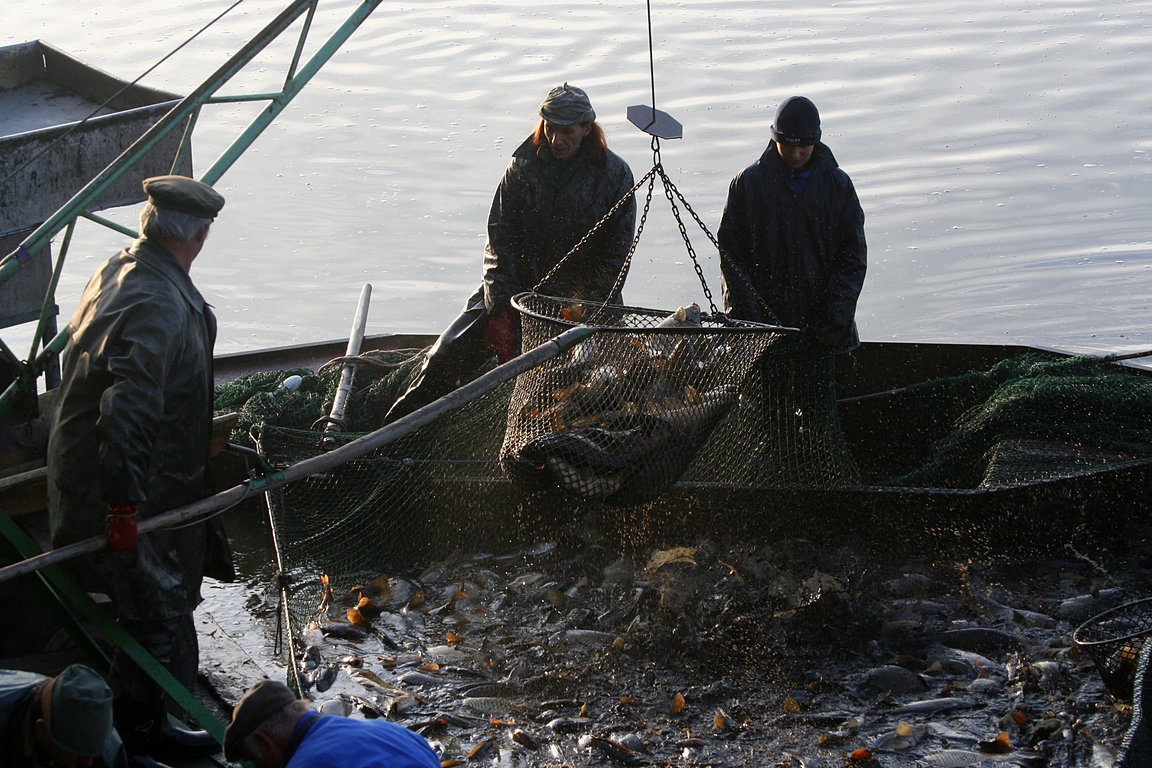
x,y
348,373
324,462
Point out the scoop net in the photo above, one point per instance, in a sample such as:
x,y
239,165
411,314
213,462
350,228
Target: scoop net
x,y
622,416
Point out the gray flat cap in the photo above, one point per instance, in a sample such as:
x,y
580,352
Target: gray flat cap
x,y
567,105
184,195
262,700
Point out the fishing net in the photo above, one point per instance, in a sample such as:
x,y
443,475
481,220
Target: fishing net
x,y
638,430
623,415
1032,417
650,400
299,398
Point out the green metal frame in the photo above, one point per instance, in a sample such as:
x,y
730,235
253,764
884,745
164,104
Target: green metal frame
x,y
182,116
75,602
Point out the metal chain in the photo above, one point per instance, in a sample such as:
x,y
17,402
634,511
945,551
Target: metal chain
x,y
668,185
596,227
672,194
618,286
669,188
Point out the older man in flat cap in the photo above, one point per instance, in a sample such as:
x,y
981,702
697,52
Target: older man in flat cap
x,y
271,728
561,182
131,439
64,720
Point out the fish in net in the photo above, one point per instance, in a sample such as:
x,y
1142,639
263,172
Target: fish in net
x,y
621,416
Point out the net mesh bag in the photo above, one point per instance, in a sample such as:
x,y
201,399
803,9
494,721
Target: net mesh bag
x,y
626,413
417,497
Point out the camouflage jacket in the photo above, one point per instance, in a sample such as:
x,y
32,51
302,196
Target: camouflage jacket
x,y
133,424
540,211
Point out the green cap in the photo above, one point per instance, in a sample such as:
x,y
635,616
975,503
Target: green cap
x,y
184,195
567,105
262,700
79,704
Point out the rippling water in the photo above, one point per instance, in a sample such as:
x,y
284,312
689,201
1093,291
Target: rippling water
x,y
1000,150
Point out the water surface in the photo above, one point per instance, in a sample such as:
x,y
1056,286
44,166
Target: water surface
x,y
1000,150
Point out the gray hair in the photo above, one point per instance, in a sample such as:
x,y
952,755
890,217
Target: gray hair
x,y
279,726
164,224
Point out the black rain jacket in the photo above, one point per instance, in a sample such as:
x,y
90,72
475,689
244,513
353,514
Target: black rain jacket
x,y
133,425
805,253
540,211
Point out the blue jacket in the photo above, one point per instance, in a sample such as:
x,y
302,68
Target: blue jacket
x,y
803,252
342,742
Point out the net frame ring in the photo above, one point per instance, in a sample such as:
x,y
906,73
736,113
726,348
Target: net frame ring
x,y
1116,656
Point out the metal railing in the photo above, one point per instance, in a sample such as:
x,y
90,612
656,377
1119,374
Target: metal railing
x,y
183,116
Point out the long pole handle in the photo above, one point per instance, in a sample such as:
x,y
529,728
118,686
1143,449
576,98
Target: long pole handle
x,y
348,373
323,462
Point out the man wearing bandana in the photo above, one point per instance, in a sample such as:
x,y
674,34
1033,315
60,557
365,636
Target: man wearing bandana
x,y
561,182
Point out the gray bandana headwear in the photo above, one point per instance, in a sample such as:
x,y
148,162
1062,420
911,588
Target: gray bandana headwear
x,y
567,105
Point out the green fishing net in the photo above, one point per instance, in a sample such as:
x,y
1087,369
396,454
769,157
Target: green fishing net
x,y
638,431
1036,416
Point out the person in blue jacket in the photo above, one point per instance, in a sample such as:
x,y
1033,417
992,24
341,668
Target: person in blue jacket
x,y
792,248
273,729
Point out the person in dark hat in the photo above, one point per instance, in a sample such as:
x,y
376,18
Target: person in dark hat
x,y
273,729
792,253
64,720
792,248
561,182
130,438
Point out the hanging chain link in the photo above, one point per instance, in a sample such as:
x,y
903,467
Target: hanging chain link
x,y
649,177
669,189
618,286
669,186
673,195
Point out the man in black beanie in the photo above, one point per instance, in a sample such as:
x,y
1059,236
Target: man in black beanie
x,y
792,249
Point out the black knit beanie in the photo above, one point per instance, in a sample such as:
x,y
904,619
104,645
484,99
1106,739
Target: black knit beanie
x,y
797,122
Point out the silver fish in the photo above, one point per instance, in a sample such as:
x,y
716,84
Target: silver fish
x,y
684,317
932,706
583,482
702,416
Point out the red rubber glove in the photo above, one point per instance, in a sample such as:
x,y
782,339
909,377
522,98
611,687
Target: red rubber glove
x,y
499,335
120,525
